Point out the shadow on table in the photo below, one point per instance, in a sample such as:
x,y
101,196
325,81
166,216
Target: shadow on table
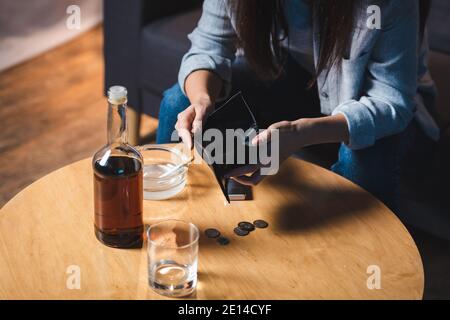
x,y
315,205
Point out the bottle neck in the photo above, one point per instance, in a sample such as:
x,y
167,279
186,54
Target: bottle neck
x,y
117,123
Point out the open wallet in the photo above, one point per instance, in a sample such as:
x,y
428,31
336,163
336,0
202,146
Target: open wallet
x,y
233,114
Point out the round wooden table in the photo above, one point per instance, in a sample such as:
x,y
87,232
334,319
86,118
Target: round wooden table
x,y
327,239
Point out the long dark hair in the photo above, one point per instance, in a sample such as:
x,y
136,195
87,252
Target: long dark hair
x,y
262,26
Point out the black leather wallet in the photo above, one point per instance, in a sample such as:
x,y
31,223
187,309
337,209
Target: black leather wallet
x,y
233,114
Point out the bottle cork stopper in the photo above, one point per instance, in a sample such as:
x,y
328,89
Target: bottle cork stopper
x,y
117,95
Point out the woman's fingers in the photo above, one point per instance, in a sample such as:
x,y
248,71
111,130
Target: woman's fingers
x,y
260,138
266,135
184,126
190,121
186,137
200,115
252,180
242,171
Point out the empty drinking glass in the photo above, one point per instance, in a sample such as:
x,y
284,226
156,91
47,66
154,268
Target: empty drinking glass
x,y
172,257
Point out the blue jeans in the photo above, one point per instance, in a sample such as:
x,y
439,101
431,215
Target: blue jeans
x,y
376,169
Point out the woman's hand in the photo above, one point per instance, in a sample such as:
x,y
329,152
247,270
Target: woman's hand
x,y
292,137
202,88
191,119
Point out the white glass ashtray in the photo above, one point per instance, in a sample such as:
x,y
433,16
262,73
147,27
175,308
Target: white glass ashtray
x,y
165,171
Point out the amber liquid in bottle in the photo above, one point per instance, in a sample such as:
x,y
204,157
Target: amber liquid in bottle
x,y
118,202
118,184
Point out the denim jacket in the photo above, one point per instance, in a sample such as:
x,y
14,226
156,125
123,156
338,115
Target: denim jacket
x,y
379,87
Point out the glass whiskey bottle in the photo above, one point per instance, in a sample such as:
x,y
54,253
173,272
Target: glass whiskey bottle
x,y
118,193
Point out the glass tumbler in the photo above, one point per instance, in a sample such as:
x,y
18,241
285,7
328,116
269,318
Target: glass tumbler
x,y
172,257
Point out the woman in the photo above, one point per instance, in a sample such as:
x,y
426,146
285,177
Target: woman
x,y
310,56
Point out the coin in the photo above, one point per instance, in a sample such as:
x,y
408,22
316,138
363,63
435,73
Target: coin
x,y
247,226
260,224
212,233
223,241
240,232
